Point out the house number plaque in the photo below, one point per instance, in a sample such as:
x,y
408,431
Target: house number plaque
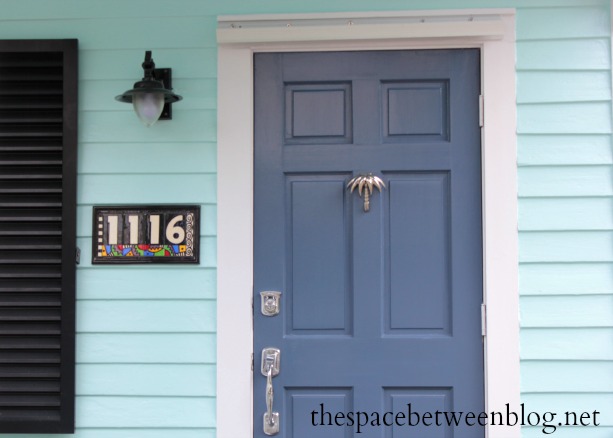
x,y
146,234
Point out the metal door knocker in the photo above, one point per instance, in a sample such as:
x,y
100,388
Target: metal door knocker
x,y
366,182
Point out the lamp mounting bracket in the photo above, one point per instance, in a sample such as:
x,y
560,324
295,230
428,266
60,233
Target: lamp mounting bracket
x,y
164,75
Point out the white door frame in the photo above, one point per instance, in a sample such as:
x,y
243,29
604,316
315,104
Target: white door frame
x,y
493,32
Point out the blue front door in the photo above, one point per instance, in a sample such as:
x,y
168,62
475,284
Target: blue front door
x,y
380,309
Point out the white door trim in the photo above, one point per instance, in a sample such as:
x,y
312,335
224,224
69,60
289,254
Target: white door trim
x,y
324,32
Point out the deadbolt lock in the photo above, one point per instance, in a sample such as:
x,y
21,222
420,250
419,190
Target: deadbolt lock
x,y
271,302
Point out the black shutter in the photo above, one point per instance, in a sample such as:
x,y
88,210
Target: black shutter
x,y
38,149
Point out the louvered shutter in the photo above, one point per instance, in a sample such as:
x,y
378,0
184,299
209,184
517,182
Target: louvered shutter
x,y
38,144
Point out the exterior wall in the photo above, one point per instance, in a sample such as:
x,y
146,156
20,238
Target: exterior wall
x,y
146,335
565,213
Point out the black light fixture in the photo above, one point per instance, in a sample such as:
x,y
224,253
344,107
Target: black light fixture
x,y
152,96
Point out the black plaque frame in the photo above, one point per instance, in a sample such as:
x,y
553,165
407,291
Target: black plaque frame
x,y
106,250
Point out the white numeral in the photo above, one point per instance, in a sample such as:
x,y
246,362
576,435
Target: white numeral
x,y
154,220
175,234
112,221
133,220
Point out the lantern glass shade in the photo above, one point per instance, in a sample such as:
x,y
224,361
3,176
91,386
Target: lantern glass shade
x,y
148,106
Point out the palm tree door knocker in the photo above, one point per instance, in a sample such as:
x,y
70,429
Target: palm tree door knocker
x,y
366,183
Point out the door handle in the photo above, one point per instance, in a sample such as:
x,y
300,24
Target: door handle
x,y
271,362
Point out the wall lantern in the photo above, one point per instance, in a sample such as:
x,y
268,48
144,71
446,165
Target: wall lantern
x,y
152,96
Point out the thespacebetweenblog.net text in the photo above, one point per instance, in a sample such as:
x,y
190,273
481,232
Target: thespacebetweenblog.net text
x,y
548,421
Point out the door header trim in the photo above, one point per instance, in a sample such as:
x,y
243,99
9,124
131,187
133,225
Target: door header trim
x,y
255,29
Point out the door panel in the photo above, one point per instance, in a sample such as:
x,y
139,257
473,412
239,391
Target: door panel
x,y
415,111
331,123
318,243
417,240
380,309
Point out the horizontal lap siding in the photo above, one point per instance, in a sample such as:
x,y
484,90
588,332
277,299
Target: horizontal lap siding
x,y
566,214
146,336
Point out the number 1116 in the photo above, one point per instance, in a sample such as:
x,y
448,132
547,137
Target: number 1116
x,y
174,232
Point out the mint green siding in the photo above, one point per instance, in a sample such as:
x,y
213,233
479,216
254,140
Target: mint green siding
x,y
146,335
566,213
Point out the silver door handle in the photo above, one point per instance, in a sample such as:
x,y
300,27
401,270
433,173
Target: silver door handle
x,y
271,362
